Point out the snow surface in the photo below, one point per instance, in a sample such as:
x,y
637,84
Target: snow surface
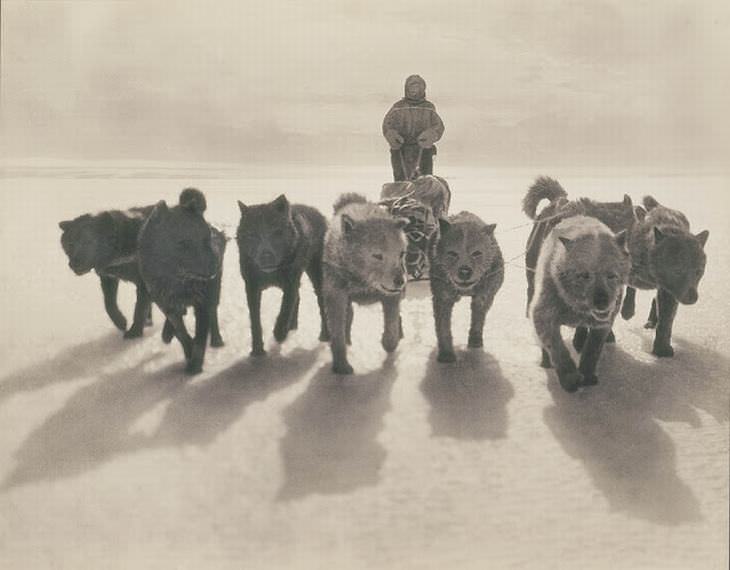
x,y
111,457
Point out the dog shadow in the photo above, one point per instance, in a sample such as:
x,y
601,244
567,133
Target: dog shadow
x,y
96,423
200,412
93,426
469,398
612,428
331,446
79,361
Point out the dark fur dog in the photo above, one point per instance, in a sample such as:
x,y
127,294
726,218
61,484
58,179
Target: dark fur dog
x,y
665,256
107,243
180,260
277,243
466,261
581,270
363,263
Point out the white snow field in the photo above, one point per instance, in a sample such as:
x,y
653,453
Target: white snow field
x,y
111,457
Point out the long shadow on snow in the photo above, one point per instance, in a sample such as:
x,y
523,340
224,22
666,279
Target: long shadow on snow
x,y
468,398
331,446
612,427
94,425
85,359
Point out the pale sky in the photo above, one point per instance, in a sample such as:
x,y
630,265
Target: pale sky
x,y
517,83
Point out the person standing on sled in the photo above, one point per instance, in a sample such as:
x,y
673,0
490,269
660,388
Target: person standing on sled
x,y
411,127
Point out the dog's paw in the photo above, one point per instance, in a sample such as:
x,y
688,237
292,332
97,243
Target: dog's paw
x,y
589,380
611,338
570,381
650,325
662,350
216,341
342,368
280,333
120,322
133,333
475,340
258,351
446,356
324,336
390,344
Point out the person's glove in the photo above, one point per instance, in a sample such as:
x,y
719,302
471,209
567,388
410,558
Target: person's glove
x,y
427,138
394,139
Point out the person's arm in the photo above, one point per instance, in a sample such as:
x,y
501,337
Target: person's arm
x,y
391,134
433,133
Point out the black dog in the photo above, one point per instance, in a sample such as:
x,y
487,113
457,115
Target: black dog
x,y
277,242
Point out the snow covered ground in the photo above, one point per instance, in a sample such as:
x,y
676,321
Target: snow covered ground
x,y
110,457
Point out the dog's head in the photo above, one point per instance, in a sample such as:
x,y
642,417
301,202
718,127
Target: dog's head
x,y
267,234
88,241
373,249
592,273
678,262
465,250
177,244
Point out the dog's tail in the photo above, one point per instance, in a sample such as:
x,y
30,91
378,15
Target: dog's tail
x,y
650,203
347,199
544,188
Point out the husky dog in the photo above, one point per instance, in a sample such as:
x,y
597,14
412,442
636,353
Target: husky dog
x,y
277,242
363,262
107,243
665,256
180,260
466,261
581,270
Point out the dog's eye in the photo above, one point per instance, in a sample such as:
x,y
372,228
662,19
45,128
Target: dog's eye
x,y
452,255
378,256
584,276
612,276
476,253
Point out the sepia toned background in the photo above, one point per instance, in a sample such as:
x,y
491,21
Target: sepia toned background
x,y
111,457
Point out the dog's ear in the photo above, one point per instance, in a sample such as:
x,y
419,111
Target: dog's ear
x,y
488,230
65,224
658,235
622,240
159,211
281,204
105,222
627,201
640,213
348,224
650,202
702,237
444,226
243,208
567,243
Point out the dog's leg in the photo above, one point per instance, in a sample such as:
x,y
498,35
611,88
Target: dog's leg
x,y
315,276
666,308
216,340
202,326
480,304
350,318
548,331
109,286
168,331
336,303
629,307
392,328
178,325
590,355
652,320
289,302
579,338
442,309
141,312
253,294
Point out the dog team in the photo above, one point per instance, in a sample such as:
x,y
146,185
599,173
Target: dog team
x,y
581,255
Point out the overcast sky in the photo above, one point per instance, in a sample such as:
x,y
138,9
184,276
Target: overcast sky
x,y
615,83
